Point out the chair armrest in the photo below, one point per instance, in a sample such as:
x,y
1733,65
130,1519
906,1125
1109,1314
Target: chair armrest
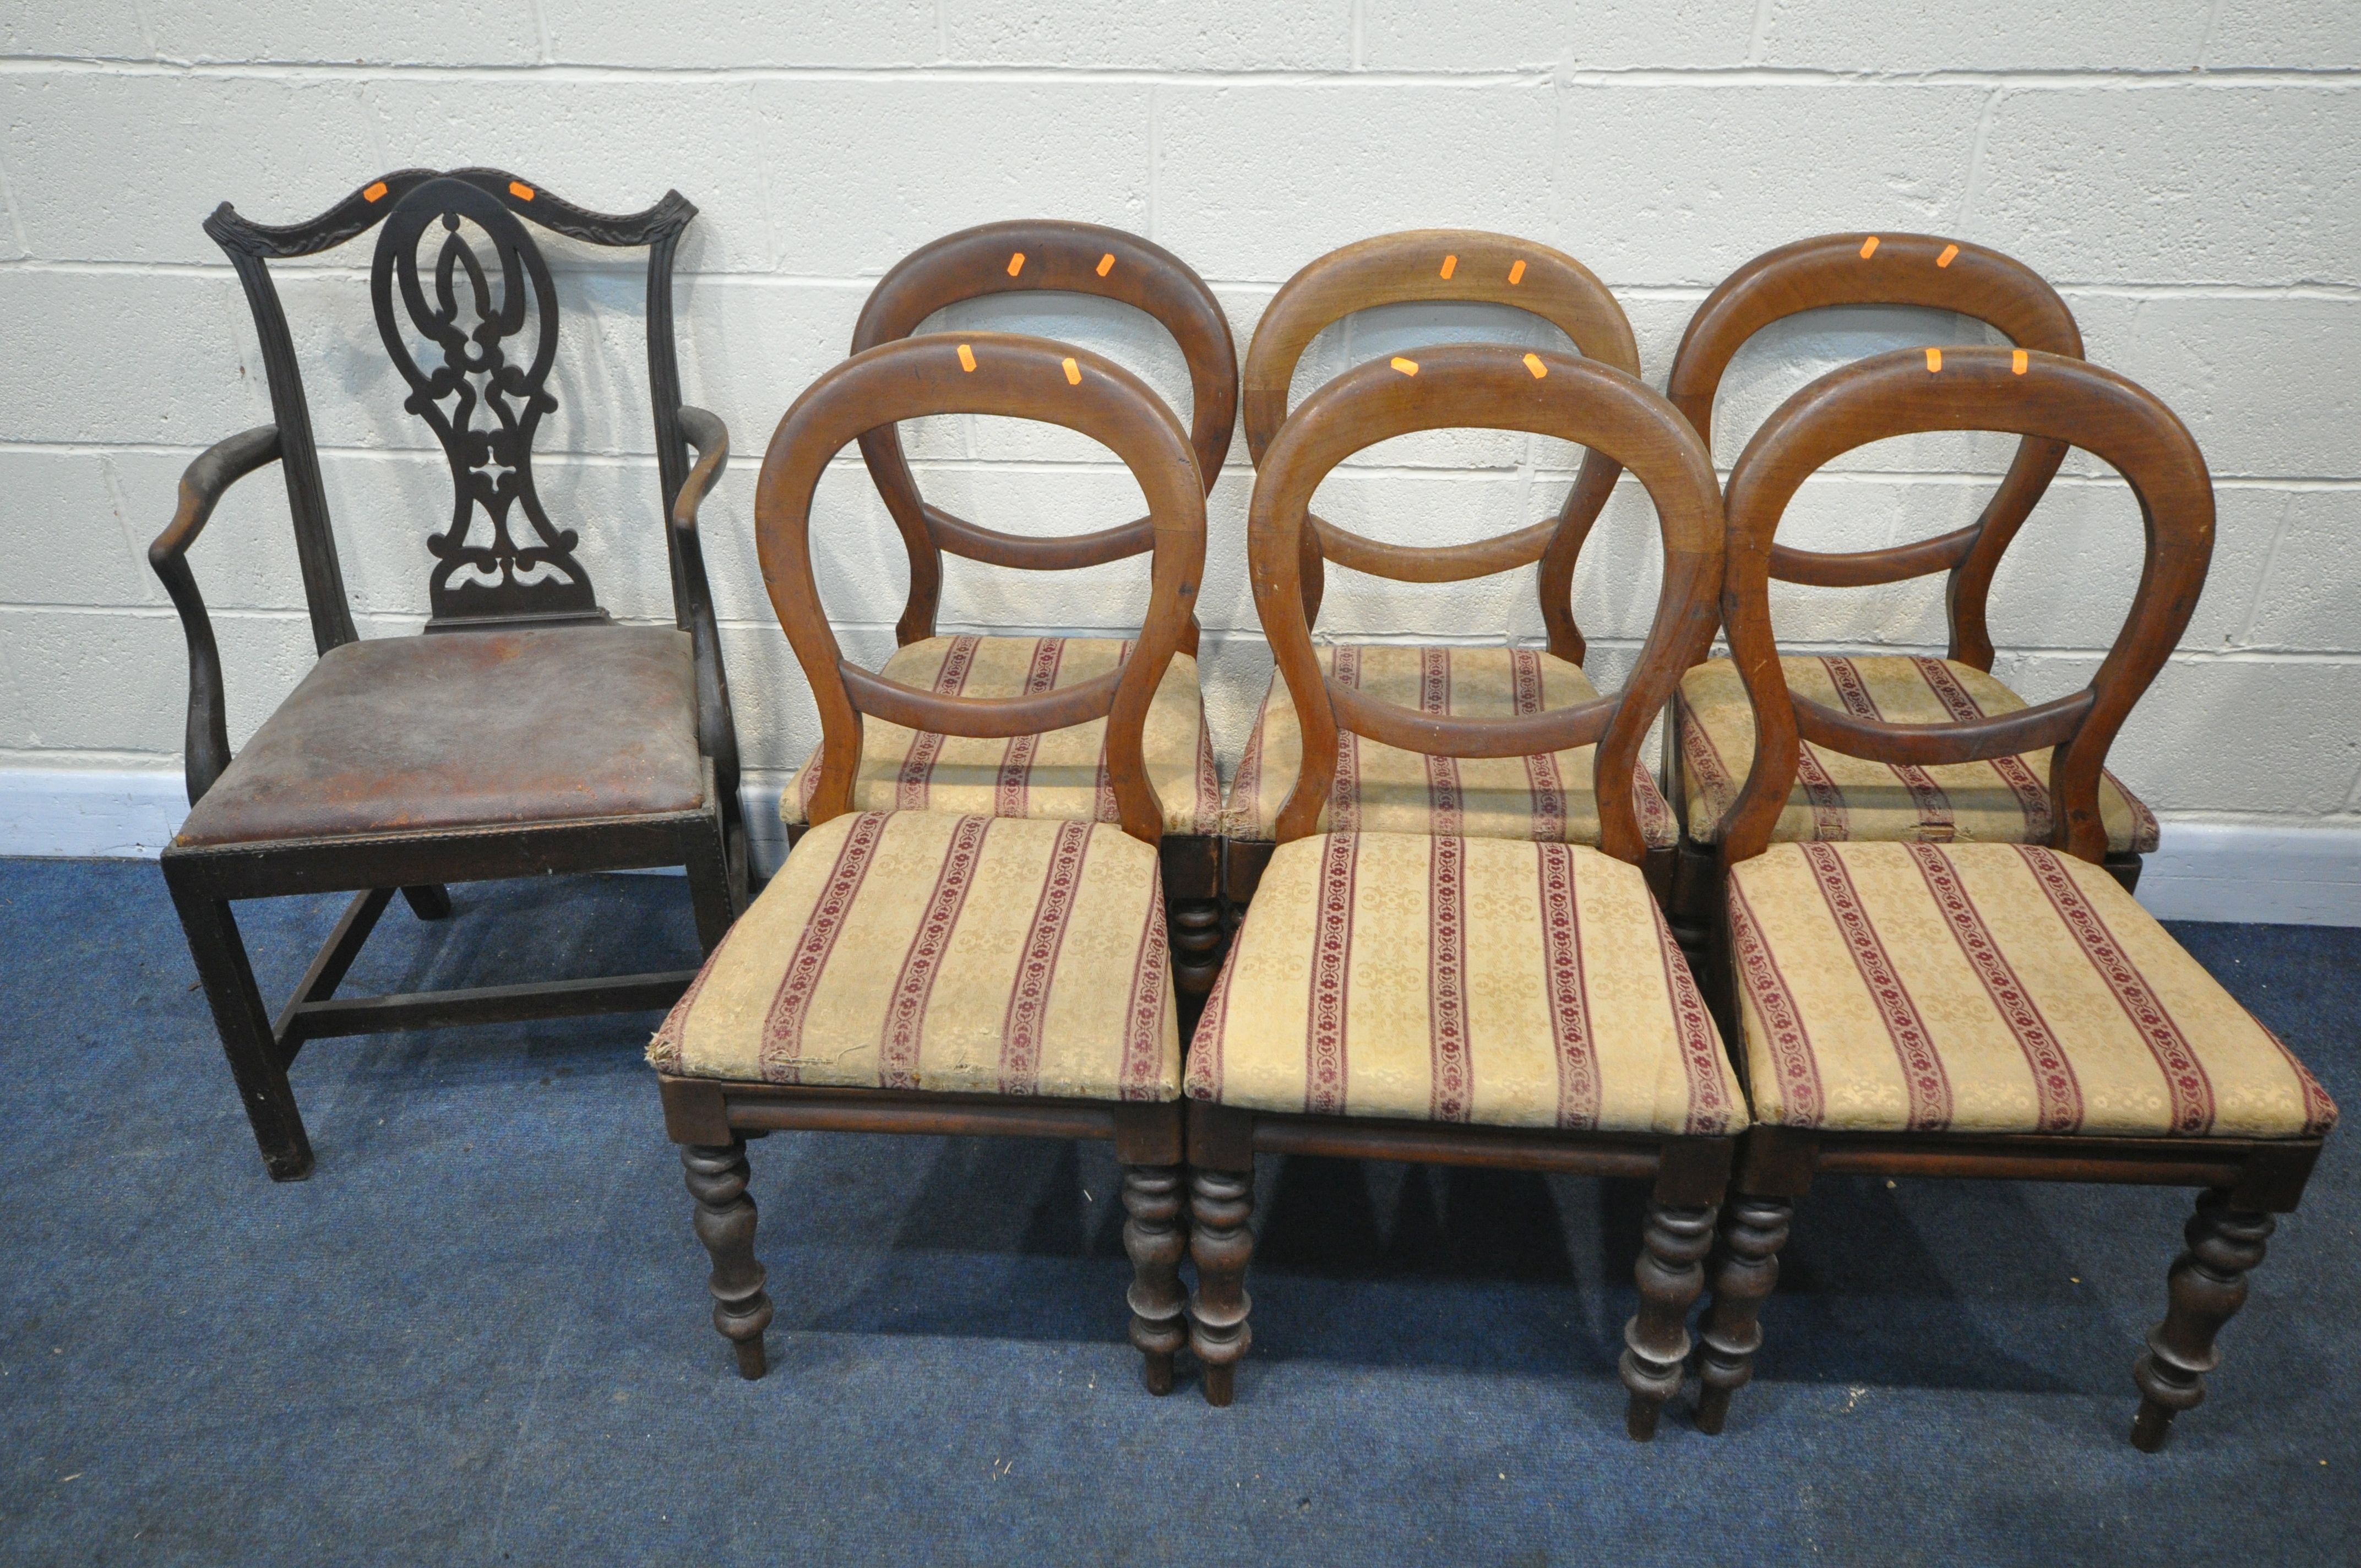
x,y
705,432
716,735
206,748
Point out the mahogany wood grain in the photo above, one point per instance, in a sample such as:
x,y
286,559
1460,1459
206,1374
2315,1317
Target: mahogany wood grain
x,y
1922,271
1485,386
1433,265
1028,254
1011,375
2027,393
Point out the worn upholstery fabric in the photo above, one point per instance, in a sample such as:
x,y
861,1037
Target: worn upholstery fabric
x,y
914,949
1059,774
1491,980
2003,801
1383,789
1990,988
468,729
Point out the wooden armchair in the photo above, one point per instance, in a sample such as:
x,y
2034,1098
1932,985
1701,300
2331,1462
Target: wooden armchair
x,y
1061,773
1709,742
1996,1010
1377,785
525,733
932,971
1512,1000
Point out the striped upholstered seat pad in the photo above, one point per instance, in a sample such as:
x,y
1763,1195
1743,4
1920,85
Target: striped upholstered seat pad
x,y
1491,980
1990,988
2003,801
1061,773
914,949
1383,789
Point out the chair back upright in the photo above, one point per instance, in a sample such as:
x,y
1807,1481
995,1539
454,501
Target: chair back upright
x,y
1481,386
1916,269
1459,265
1016,377
2049,399
485,306
1067,257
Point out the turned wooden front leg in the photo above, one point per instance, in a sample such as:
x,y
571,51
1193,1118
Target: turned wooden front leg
x,y
725,1223
1220,1204
1745,1272
1671,1275
2208,1285
1152,1236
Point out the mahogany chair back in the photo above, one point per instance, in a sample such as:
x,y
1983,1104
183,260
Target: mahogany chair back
x,y
1488,387
1460,265
1020,377
1010,258
1892,269
2049,399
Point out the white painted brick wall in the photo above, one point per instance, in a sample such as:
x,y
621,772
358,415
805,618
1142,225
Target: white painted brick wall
x,y
2188,171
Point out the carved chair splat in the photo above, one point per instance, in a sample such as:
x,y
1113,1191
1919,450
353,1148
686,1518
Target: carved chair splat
x,y
1033,775
584,746
936,973
1437,997
1378,783
1984,1010
1705,746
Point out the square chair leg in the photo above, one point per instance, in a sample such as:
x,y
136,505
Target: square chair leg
x,y
247,1036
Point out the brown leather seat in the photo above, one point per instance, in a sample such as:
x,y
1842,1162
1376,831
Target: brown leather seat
x,y
467,729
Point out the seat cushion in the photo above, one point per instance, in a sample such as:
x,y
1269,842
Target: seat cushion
x,y
918,950
2003,801
1383,789
1990,988
468,729
1059,774
1491,980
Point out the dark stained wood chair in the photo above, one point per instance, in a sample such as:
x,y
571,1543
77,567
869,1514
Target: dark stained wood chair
x,y
1992,1010
1505,1002
1709,739
1386,787
937,973
1061,773
525,733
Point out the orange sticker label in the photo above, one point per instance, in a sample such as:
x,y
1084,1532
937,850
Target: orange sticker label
x,y
1450,265
1516,274
521,191
1869,247
1951,254
1073,374
375,193
1533,363
967,357
1017,264
1407,366
1106,264
1934,359
2017,362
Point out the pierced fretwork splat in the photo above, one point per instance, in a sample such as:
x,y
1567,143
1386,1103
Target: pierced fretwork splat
x,y
472,312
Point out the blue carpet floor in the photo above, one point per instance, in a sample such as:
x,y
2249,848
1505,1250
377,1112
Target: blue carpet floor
x,y
479,1335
